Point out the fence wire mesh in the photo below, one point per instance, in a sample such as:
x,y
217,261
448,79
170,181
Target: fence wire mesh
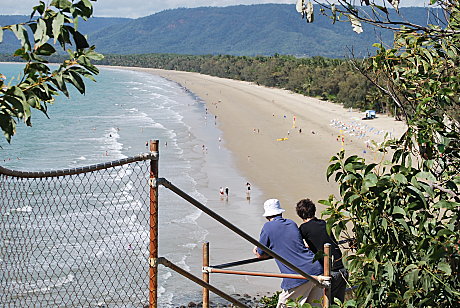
x,y
78,240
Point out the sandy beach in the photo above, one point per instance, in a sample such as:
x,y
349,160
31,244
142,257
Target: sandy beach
x,y
282,143
233,132
253,120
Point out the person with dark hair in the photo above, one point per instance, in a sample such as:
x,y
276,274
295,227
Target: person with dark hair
x,y
248,193
283,237
314,233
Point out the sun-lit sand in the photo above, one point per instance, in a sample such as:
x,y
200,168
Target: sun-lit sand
x,y
283,141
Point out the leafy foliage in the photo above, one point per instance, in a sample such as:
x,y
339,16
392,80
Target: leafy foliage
x,y
297,304
404,212
269,301
56,24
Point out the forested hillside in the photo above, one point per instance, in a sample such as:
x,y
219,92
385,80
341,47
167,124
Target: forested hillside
x,y
249,30
10,42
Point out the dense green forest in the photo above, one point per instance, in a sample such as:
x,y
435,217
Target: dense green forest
x,y
242,30
330,79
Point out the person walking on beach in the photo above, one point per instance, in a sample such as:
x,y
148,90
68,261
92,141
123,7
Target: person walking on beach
x,y
283,237
226,192
221,192
314,233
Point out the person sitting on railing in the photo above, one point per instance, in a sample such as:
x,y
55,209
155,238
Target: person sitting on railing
x,y
283,237
314,233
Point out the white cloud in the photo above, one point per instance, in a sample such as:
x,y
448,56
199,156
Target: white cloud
x,y
140,8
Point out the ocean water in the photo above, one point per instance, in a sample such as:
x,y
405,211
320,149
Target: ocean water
x,y
114,120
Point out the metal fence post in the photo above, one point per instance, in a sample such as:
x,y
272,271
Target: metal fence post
x,y
327,273
153,283
205,274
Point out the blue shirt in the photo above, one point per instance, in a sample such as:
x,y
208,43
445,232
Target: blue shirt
x,y
283,237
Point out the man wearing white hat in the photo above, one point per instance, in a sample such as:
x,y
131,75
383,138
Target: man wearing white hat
x,y
283,237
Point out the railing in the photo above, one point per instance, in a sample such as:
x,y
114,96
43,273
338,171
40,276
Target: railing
x,y
321,281
50,192
221,269
75,237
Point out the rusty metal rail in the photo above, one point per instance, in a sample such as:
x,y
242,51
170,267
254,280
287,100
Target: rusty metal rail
x,y
226,223
241,262
209,269
197,280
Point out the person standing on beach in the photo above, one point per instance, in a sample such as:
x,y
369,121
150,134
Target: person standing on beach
x,y
314,233
283,237
248,193
226,192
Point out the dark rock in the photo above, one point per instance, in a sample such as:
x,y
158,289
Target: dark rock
x,y
191,304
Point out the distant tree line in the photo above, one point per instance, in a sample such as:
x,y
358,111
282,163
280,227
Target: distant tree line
x,y
329,79
335,80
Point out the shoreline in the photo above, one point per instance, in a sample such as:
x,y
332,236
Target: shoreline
x,y
254,118
279,141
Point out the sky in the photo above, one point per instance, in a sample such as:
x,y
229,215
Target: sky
x,y
141,8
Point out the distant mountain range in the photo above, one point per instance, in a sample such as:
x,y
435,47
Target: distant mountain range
x,y
248,30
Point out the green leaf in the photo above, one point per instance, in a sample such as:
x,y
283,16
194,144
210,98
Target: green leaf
x,y
444,232
368,298
417,193
21,33
310,13
390,271
369,168
58,80
94,55
409,268
8,126
331,169
61,4
445,268
399,178
77,82
39,8
40,35
57,24
351,159
426,175
46,50
80,40
398,210
87,3
448,205
371,179
350,303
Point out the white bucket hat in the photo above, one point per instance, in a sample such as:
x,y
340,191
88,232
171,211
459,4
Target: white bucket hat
x,y
272,207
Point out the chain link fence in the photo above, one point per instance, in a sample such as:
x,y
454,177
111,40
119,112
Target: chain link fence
x,y
76,237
